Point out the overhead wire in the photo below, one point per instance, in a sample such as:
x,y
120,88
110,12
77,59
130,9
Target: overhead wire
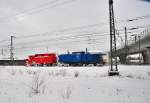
x,y
55,32
61,31
59,40
134,19
73,28
52,44
69,29
80,27
63,38
51,5
55,39
55,44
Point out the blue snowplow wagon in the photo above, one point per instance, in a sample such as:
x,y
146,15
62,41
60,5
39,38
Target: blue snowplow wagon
x,y
81,58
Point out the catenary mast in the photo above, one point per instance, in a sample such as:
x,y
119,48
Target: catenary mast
x,y
113,58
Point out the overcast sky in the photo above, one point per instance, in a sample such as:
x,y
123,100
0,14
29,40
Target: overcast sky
x,y
69,18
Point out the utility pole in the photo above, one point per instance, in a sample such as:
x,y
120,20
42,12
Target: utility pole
x,y
135,38
148,30
139,48
113,58
11,49
126,43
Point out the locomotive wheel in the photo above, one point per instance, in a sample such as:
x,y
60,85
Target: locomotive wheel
x,y
95,64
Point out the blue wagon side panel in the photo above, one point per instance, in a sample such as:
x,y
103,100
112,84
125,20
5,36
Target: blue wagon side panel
x,y
69,58
92,58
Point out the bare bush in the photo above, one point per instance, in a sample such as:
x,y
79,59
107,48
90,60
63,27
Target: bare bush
x,y
139,77
37,84
13,72
66,93
29,72
43,89
118,91
76,74
129,76
61,72
51,73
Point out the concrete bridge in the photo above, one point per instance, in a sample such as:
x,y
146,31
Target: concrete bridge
x,y
141,46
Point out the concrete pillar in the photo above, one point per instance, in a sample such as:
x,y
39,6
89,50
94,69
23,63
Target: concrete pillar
x,y
146,56
122,58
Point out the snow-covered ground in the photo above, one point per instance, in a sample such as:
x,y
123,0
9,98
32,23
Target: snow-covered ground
x,y
74,85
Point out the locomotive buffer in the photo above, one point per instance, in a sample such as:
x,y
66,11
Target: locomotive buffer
x,y
113,70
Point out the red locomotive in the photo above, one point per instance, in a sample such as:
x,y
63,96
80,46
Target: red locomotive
x,y
48,59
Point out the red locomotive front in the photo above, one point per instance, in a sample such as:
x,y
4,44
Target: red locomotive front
x,y
42,59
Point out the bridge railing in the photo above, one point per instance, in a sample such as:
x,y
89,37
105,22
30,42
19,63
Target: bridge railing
x,y
136,37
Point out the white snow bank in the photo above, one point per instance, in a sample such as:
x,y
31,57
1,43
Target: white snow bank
x,y
74,85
